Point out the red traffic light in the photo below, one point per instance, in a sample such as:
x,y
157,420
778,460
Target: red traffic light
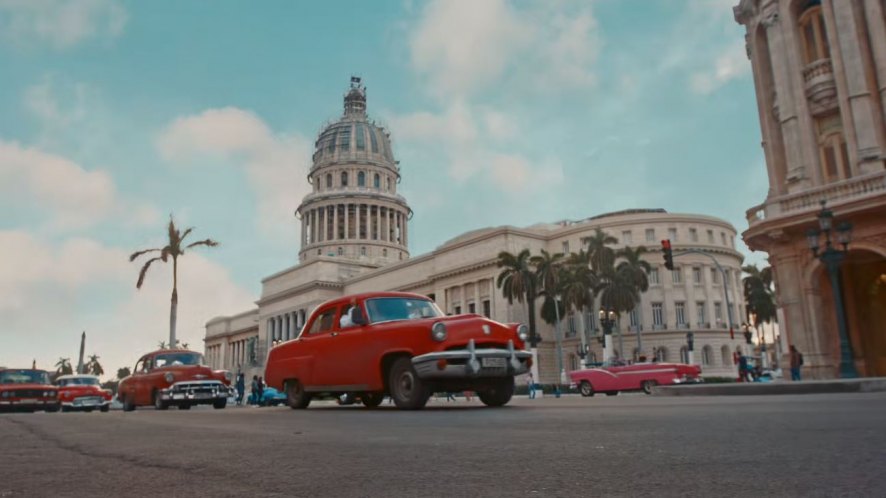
x,y
667,254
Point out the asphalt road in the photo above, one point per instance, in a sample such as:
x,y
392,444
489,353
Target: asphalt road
x,y
629,445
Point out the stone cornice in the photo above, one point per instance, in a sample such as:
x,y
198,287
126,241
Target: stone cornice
x,y
299,289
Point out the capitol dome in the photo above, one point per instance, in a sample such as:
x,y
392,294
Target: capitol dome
x,y
354,210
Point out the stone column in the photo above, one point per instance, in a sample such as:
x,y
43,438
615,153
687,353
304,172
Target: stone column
x,y
797,174
347,221
877,30
860,103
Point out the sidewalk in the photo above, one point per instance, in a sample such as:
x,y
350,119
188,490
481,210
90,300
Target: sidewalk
x,y
871,384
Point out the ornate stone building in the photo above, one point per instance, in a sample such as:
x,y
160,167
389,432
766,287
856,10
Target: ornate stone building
x,y
820,76
354,239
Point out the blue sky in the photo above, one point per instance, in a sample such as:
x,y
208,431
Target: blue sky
x,y
114,114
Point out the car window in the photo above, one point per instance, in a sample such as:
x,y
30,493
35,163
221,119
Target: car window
x,y
140,366
344,320
387,309
323,322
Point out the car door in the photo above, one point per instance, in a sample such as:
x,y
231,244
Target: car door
x,y
316,349
348,359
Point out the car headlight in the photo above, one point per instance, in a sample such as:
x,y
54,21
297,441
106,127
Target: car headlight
x,y
169,377
438,331
46,394
523,332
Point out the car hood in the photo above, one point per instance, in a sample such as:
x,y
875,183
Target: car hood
x,y
460,329
8,387
81,389
190,372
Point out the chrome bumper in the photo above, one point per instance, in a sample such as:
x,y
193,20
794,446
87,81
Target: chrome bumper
x,y
196,391
86,402
472,362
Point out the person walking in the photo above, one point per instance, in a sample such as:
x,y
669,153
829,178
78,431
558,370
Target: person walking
x,y
530,383
796,363
241,387
253,393
742,368
261,391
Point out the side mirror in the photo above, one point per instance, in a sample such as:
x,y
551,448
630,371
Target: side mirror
x,y
357,317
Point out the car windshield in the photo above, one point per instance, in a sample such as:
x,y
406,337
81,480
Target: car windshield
x,y
386,309
24,377
175,359
79,381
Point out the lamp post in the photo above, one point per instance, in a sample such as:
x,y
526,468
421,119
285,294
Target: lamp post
x,y
583,351
832,258
559,346
607,321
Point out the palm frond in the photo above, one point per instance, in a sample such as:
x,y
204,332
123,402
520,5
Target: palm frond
x,y
136,254
144,270
206,242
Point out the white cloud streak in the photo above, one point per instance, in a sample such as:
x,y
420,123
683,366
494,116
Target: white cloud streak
x,y
60,24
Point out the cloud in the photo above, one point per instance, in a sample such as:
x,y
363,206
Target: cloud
x,y
462,47
60,24
71,196
732,63
276,164
44,290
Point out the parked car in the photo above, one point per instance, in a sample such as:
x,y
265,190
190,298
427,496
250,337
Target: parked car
x,y
612,378
82,392
27,390
399,344
174,377
272,397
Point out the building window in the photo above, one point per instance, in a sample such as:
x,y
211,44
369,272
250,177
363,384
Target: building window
x,y
680,311
487,309
661,354
672,234
696,275
376,181
718,313
715,276
707,355
634,316
677,275
590,321
345,142
657,314
363,251
710,236
723,238
341,251
815,38
570,325
344,178
361,139
653,276
361,179
329,180
372,140
700,314
832,150
650,235
565,247
693,235
472,308
457,310
627,238
684,355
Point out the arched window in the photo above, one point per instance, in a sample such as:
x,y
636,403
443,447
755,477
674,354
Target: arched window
x,y
813,33
684,355
384,252
376,181
362,250
344,178
661,354
361,179
707,355
726,355
636,354
834,154
329,180
389,183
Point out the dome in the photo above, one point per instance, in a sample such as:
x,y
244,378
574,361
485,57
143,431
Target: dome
x,y
353,135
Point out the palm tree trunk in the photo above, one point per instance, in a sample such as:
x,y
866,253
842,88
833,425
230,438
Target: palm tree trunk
x,y
173,307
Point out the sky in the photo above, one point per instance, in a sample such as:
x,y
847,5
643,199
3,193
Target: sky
x,y
116,114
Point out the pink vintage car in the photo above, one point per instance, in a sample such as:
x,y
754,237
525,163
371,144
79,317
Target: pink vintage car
x,y
638,376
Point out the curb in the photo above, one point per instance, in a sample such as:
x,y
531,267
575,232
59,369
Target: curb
x,y
874,384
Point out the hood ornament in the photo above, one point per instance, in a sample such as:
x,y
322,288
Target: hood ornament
x,y
487,329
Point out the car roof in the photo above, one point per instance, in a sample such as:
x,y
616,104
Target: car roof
x,y
367,295
5,369
76,376
175,350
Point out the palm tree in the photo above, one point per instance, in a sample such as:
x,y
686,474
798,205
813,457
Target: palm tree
x,y
600,255
94,367
174,248
123,372
161,344
638,269
63,367
517,281
759,295
548,271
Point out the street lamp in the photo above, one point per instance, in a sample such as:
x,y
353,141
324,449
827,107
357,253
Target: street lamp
x,y
583,351
559,346
607,321
747,333
832,258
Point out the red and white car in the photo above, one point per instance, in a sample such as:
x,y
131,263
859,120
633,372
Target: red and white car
x,y
82,392
635,377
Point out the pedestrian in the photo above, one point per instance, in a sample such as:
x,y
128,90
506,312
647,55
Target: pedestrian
x,y
449,396
261,390
796,363
241,387
253,393
742,368
530,384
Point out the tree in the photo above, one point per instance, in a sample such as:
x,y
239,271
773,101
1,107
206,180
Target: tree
x,y
759,295
636,268
174,249
63,367
548,272
161,344
94,367
517,281
123,373
600,255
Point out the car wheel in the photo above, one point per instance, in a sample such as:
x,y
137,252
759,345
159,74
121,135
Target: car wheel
x,y
220,404
158,402
128,404
53,409
372,400
586,389
647,386
296,397
499,394
408,391
105,408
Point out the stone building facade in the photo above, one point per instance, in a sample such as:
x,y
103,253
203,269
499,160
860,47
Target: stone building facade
x,y
820,77
354,239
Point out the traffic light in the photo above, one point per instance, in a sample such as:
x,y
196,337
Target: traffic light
x,y
668,255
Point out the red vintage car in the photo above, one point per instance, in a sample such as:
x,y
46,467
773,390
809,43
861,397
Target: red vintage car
x,y
82,392
398,344
27,390
638,376
174,377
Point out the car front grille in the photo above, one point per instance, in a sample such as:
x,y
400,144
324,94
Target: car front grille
x,y
28,393
199,387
